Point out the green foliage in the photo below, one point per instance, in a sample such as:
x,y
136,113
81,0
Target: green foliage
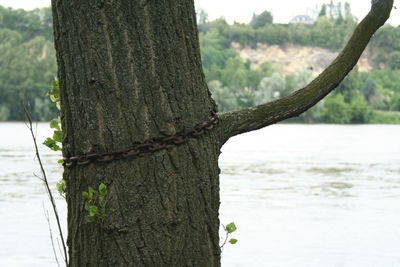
x,y
30,24
54,142
323,12
369,88
259,21
273,34
350,86
387,39
387,89
27,65
270,88
213,52
241,33
335,110
25,70
55,123
95,203
233,241
394,61
236,84
229,229
62,187
395,103
57,136
385,117
4,113
27,62
226,100
360,112
331,30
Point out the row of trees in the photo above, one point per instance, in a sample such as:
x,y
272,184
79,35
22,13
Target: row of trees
x,y
361,97
28,65
261,29
337,19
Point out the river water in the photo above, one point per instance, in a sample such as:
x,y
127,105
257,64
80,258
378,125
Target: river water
x,y
300,195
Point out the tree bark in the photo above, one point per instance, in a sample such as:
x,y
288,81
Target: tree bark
x,y
130,71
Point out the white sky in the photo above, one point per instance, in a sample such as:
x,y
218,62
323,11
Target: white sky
x,y
242,10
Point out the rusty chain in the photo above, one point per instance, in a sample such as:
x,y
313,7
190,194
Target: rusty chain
x,y
139,149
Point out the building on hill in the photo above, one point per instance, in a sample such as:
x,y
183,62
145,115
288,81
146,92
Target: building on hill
x,y
304,19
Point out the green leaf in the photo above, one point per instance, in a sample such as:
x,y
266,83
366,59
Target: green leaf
x,y
91,192
54,124
50,143
103,189
60,161
93,210
56,148
53,98
85,194
61,187
58,105
89,218
55,85
233,241
55,91
230,228
87,206
57,136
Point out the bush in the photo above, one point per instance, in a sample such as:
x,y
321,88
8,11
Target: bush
x,y
360,112
223,96
394,61
335,110
395,103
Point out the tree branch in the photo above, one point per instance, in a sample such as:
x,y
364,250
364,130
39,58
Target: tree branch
x,y
48,190
237,122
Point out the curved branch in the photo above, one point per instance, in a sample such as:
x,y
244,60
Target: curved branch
x,y
237,122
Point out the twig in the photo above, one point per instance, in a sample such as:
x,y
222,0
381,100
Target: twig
x,y
40,178
46,213
46,183
59,248
226,237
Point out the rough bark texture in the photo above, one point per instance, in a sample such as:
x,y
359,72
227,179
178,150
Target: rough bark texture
x,y
130,71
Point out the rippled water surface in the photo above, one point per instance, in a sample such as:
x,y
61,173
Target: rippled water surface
x,y
300,195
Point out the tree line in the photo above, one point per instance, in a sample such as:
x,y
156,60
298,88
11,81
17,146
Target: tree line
x,y
363,97
28,65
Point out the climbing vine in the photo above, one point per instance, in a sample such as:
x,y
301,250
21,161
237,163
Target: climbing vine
x,y
54,142
95,204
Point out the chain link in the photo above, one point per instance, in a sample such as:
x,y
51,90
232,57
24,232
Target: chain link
x,y
140,149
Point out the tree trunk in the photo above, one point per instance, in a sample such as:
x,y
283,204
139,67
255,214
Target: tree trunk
x,y
130,71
